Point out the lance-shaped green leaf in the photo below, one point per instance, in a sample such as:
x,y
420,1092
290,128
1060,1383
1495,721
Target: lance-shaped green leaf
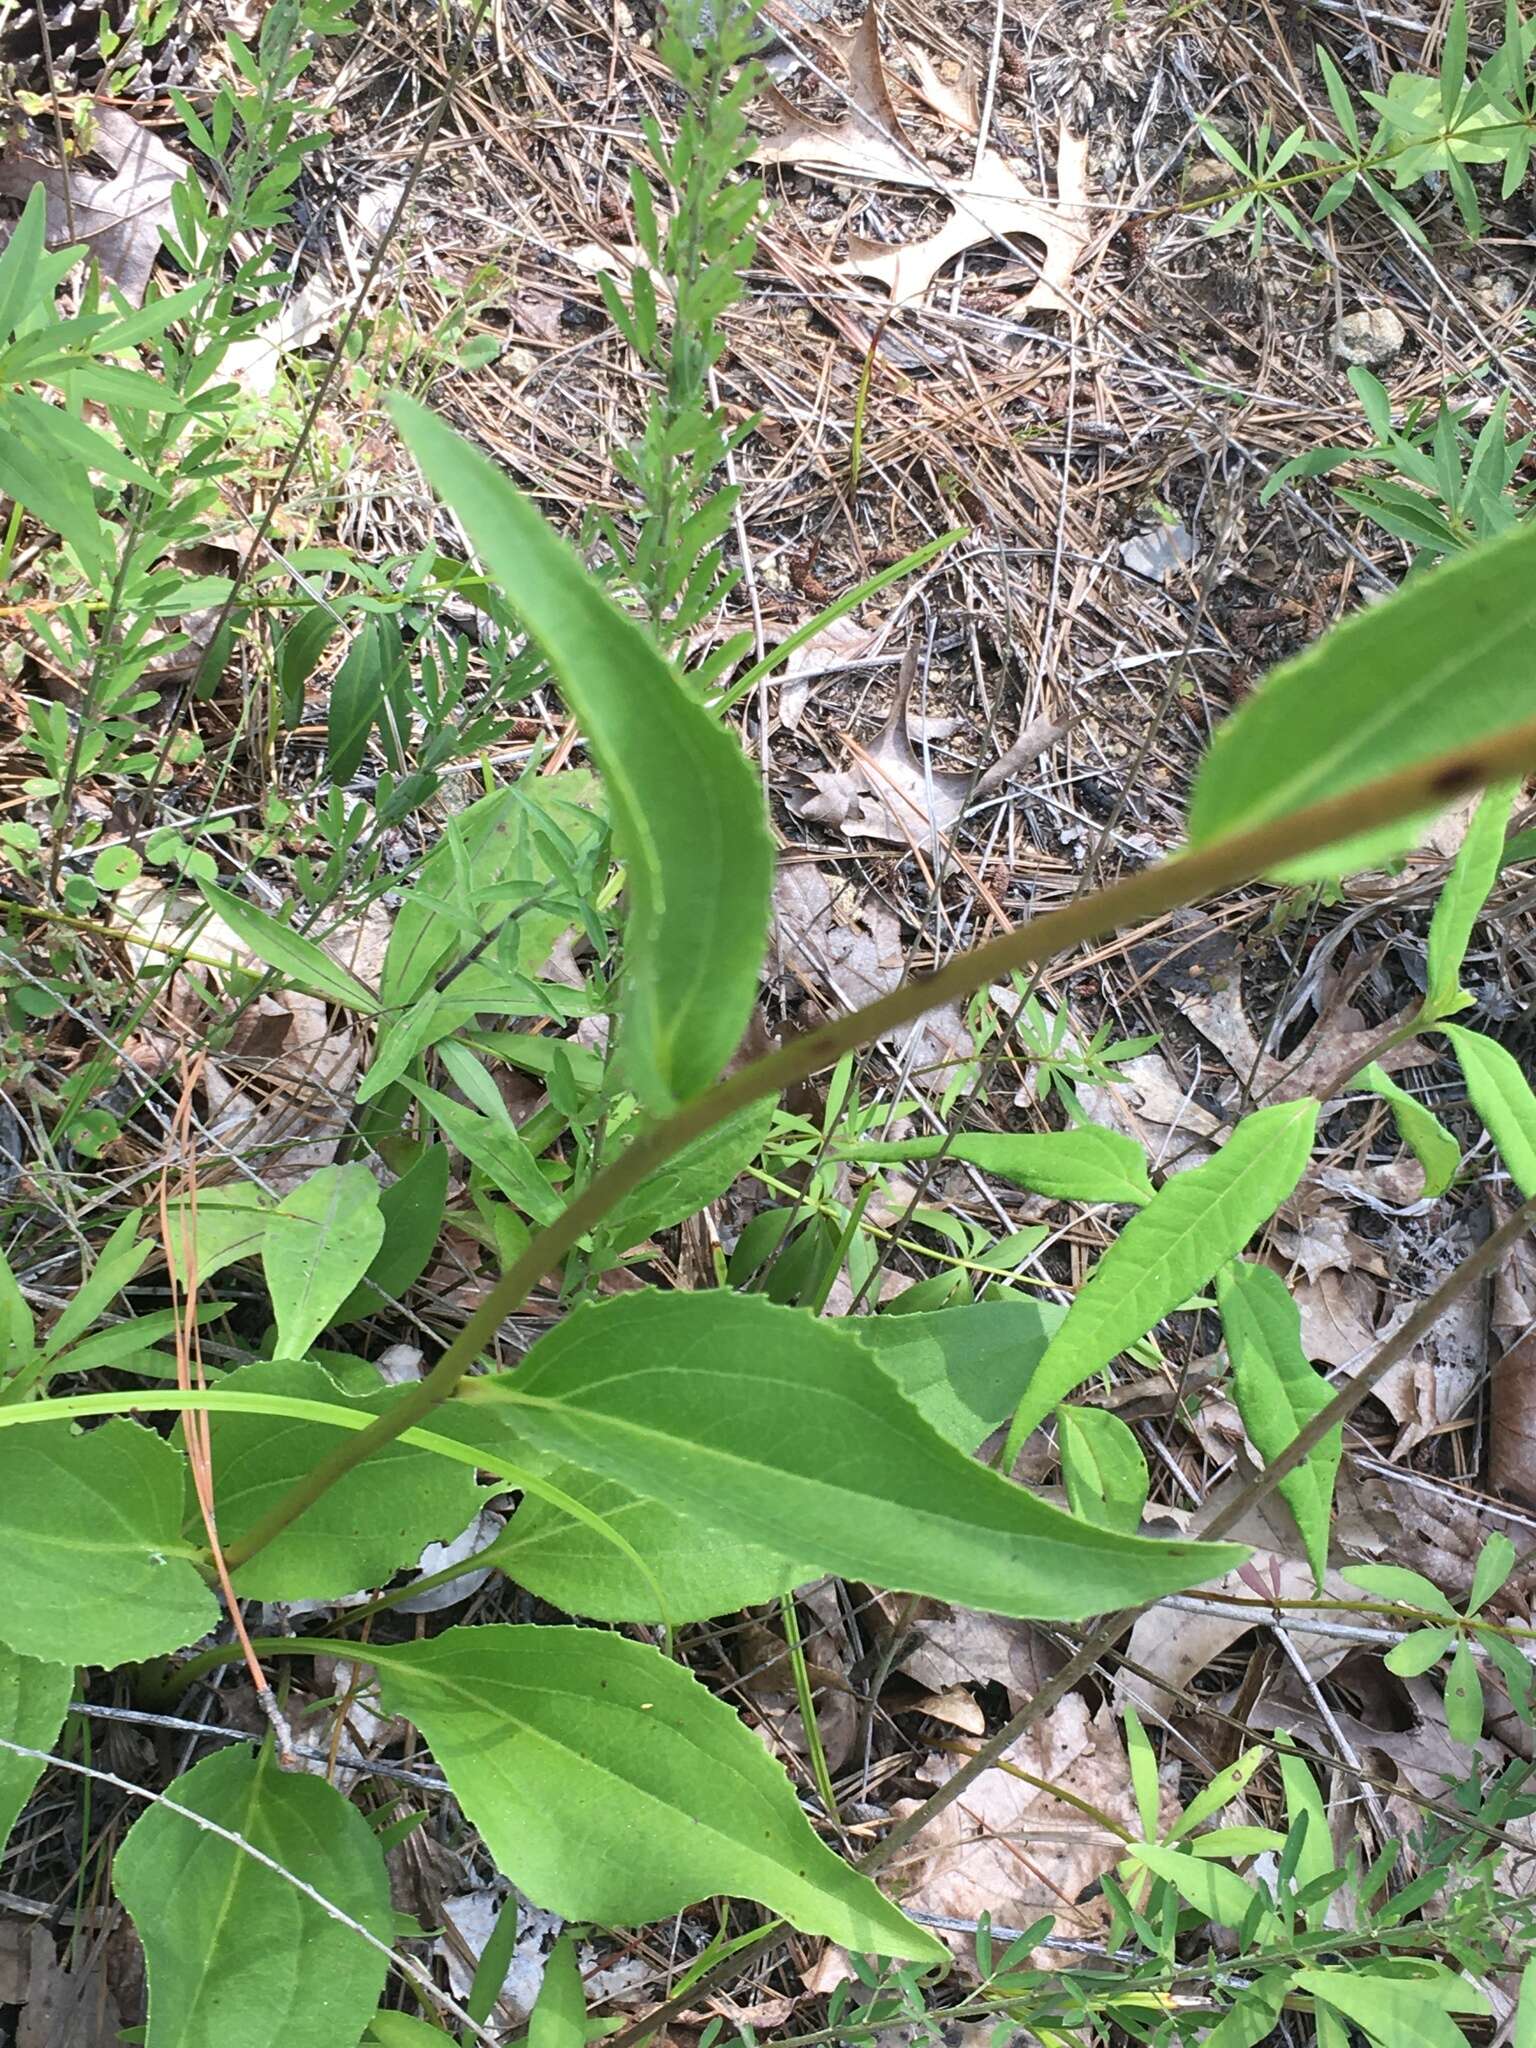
x,y
297,959
1503,1098
237,1956
1472,876
782,1428
96,1568
1446,661
688,818
1086,1165
1220,1894
1278,1393
33,1701
559,2016
1419,1128
1170,1249
610,1786
318,1243
371,1523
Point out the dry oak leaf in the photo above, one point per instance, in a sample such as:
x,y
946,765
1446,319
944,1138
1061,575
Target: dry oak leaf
x,y
994,204
869,143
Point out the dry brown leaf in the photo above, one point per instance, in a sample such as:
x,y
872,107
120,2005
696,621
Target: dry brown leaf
x,y
1512,1323
1149,1105
831,939
957,1708
993,204
118,218
1428,1390
963,1647
311,312
66,2008
1175,1646
1007,1848
891,794
955,102
867,143
842,642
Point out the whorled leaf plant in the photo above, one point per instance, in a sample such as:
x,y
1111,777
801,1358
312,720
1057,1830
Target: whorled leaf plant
x,y
779,1445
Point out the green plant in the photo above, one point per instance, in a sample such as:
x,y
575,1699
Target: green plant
x,y
696,258
1446,488
719,1404
1427,127
683,1454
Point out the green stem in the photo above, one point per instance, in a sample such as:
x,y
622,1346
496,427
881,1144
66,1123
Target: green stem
x,y
1186,878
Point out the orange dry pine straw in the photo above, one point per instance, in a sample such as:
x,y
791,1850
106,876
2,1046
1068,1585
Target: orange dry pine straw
x,y
190,1376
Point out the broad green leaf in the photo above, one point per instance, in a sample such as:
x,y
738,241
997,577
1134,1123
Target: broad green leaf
x,y
1169,1250
222,1226
1220,1894
411,1210
688,820
559,2016
696,1175
1472,876
1463,1696
1414,1655
362,1530
319,1242
96,1570
1446,661
1502,1097
964,1368
18,1334
701,1570
1143,1764
357,695
1253,2017
1278,1393
299,960
1525,2017
1402,1587
1393,2012
46,479
1086,1165
19,259
238,1957
1420,1130
33,1700
610,1786
1103,1468
782,1428
494,842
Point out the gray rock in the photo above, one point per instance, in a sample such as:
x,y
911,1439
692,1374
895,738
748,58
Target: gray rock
x,y
1372,337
